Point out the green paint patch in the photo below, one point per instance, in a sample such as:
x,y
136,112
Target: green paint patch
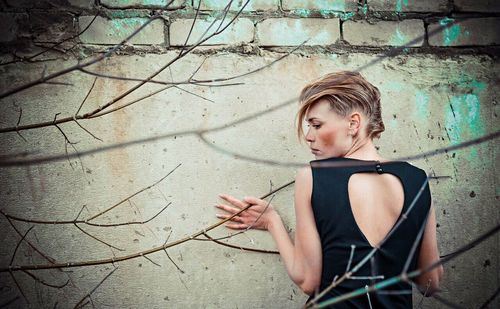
x,y
364,9
122,14
462,116
155,2
125,26
398,38
463,120
347,16
467,83
216,4
400,4
451,33
422,104
302,12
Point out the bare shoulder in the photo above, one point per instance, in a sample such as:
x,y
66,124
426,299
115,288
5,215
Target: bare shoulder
x,y
304,175
303,184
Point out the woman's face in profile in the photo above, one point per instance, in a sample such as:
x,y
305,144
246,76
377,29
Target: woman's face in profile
x,y
328,132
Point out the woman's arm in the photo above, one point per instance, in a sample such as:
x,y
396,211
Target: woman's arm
x,y
302,259
429,254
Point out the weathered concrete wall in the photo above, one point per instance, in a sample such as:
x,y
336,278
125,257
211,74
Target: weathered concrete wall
x,y
439,90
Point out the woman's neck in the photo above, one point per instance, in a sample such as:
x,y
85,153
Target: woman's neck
x,y
364,150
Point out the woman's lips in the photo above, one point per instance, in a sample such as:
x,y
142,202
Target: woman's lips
x,y
314,151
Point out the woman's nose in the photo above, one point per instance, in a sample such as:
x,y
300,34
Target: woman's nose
x,y
309,136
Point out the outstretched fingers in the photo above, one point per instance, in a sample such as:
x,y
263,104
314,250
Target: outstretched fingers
x,y
253,200
233,201
236,226
235,218
237,222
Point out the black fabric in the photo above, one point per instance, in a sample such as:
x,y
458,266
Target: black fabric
x,y
338,231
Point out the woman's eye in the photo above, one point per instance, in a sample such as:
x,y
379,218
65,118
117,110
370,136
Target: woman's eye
x,y
316,126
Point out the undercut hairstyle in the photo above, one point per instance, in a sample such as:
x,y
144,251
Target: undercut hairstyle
x,y
346,91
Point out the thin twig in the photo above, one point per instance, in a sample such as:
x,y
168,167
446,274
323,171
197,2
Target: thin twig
x,y
363,261
18,244
413,274
209,238
490,299
19,287
48,258
99,240
46,78
137,254
55,286
168,255
9,302
134,194
17,124
79,304
56,44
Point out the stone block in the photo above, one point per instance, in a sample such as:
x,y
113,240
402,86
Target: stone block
x,y
408,5
293,31
477,5
476,31
409,32
253,5
333,5
105,31
240,31
82,4
120,4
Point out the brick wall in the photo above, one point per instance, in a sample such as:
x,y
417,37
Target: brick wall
x,y
439,88
266,23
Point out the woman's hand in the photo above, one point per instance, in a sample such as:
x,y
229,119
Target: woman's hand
x,y
259,216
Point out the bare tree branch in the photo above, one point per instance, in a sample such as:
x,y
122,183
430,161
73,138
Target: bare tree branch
x,y
79,304
30,58
137,254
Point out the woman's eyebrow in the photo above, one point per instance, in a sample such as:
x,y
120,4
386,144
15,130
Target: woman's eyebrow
x,y
311,119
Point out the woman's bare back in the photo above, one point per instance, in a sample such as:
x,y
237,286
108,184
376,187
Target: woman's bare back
x,y
376,202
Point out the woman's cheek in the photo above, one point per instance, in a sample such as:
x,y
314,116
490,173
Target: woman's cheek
x,y
327,138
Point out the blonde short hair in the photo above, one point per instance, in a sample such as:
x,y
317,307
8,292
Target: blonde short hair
x,y
346,91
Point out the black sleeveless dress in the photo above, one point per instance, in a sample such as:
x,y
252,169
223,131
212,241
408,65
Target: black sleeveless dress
x,y
341,237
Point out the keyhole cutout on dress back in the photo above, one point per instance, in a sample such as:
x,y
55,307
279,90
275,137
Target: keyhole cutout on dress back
x,y
376,202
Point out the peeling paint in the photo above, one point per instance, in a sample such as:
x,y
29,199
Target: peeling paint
x,y
364,9
302,12
463,119
463,115
452,33
347,16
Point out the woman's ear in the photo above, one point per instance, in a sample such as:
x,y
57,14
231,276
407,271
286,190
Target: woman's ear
x,y
354,123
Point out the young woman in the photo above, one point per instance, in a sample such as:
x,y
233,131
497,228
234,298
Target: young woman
x,y
348,201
